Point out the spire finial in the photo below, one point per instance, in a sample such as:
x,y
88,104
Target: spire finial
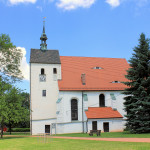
x,y
43,37
44,24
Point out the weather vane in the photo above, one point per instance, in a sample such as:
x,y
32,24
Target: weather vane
x,y
44,19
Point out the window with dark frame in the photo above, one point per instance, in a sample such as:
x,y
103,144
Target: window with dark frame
x,y
42,71
101,100
44,93
74,109
54,70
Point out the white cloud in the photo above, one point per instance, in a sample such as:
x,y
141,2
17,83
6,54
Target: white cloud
x,y
113,3
21,1
74,4
24,66
40,8
116,3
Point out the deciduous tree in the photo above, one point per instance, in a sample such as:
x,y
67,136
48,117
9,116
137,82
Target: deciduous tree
x,y
17,112
10,58
11,105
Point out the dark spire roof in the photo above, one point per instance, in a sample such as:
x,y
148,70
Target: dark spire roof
x,y
43,38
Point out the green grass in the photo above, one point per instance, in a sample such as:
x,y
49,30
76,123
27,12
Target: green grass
x,y
103,135
28,143
109,135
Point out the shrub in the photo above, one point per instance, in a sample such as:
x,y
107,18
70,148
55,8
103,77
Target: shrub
x,y
19,130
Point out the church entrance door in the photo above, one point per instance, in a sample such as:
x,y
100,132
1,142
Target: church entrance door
x,y
94,125
106,126
47,128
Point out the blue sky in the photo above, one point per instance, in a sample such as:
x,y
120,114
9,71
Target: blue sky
x,y
93,28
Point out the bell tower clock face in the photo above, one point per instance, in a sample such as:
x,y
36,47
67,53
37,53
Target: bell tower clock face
x,y
42,78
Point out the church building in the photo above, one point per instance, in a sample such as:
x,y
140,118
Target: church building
x,y
75,94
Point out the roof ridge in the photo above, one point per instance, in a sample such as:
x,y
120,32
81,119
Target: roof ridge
x,y
92,57
47,49
100,107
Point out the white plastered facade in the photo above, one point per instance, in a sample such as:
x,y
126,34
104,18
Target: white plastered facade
x,y
48,110
43,108
64,123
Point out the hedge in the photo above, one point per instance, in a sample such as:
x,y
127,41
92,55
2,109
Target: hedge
x,y
19,130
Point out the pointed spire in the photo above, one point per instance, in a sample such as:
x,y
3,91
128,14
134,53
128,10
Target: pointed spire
x,y
43,26
43,38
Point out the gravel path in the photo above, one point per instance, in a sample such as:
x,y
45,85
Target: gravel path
x,y
147,140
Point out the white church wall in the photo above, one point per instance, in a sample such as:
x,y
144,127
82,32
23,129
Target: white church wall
x,y
38,126
93,100
44,107
66,102
115,125
64,108
119,103
71,127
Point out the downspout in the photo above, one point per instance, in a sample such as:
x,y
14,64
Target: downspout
x,y
87,126
83,80
30,104
82,115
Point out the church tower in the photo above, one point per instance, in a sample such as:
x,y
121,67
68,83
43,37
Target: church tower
x,y
45,71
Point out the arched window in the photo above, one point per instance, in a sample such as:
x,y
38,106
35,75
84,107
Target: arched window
x,y
74,109
101,100
42,71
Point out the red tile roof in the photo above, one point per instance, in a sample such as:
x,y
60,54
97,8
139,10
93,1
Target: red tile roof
x,y
113,69
102,112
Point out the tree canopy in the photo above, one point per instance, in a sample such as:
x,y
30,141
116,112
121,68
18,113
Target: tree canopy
x,y
137,101
12,109
10,58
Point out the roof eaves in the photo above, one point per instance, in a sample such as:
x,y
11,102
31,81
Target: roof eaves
x,y
105,118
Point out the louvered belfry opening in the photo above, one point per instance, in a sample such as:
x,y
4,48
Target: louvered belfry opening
x,y
42,71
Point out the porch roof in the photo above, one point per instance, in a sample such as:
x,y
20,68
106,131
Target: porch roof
x,y
102,112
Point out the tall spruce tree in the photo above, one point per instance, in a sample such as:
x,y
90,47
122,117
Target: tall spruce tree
x,y
137,101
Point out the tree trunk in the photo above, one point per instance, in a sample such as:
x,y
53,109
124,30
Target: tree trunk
x,y
9,127
1,129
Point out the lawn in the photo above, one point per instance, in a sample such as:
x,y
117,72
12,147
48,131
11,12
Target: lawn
x,y
109,135
33,143
103,135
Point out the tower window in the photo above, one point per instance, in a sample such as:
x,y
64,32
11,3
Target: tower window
x,y
44,93
42,71
54,70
